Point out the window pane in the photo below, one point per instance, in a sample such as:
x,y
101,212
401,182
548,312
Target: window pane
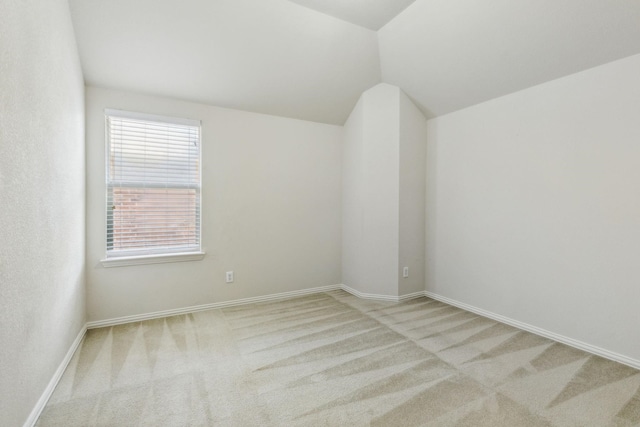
x,y
150,218
153,185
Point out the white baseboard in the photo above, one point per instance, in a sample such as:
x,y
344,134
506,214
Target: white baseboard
x,y
407,297
48,391
539,331
376,297
379,297
195,308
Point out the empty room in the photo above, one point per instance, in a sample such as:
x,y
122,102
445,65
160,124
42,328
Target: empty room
x,y
320,213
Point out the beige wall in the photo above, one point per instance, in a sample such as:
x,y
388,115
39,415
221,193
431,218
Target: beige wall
x,y
380,213
533,210
42,194
413,149
353,185
271,204
370,194
384,149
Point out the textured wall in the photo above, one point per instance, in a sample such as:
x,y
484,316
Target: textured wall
x,y
270,210
42,195
533,210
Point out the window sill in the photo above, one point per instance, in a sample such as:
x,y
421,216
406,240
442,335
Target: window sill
x,y
152,259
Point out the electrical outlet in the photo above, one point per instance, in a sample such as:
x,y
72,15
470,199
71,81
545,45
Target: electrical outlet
x,y
405,272
229,277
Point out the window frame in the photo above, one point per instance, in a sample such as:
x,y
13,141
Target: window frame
x,y
150,256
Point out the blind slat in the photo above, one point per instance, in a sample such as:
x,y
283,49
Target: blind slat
x,y
153,185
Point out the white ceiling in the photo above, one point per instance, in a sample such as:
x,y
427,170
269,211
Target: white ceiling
x,y
372,14
281,57
268,56
450,54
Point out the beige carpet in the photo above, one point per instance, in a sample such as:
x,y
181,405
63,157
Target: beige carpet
x,y
334,360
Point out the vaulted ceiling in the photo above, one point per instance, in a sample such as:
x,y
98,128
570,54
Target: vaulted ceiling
x,y
311,59
371,14
450,54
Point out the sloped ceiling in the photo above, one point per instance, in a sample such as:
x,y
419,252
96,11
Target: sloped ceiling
x,y
268,56
450,54
291,58
372,14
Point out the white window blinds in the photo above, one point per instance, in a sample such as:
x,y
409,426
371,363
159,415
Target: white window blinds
x,y
153,184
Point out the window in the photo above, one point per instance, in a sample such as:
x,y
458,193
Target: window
x,y
153,186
